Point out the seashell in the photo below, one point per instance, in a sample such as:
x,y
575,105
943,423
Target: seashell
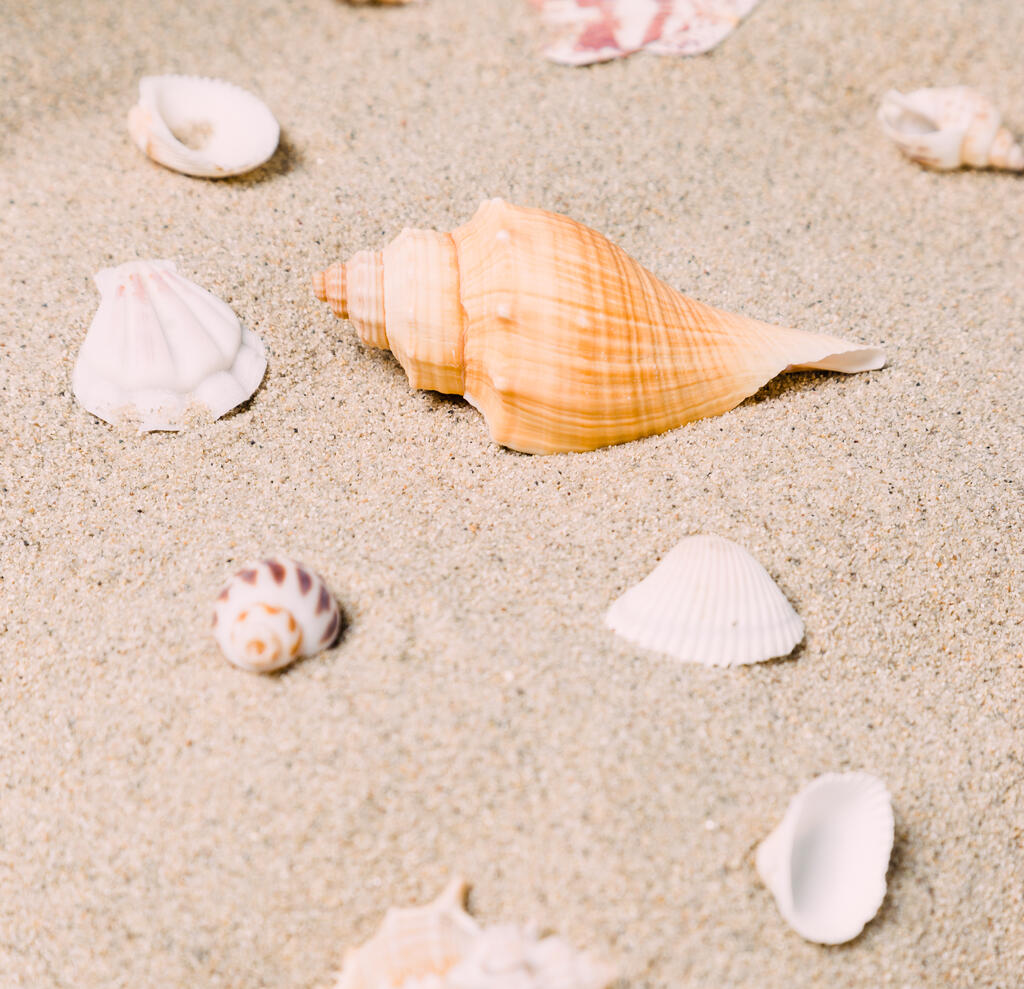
x,y
825,864
948,128
586,31
556,335
273,611
203,127
415,946
510,957
709,601
158,345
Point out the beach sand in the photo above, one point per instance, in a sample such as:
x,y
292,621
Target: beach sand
x,y
168,820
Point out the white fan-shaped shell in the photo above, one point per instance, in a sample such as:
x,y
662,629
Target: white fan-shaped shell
x,y
273,611
946,128
203,127
709,601
159,344
507,956
825,864
415,947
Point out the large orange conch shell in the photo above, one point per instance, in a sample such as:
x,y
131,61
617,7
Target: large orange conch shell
x,y
557,336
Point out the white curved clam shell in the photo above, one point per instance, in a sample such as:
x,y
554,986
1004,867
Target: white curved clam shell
x,y
709,601
273,611
415,947
947,128
825,864
158,345
203,127
507,956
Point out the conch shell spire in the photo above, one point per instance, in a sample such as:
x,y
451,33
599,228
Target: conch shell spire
x,y
559,337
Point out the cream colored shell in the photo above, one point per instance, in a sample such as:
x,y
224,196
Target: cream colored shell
x,y
158,346
557,336
272,612
825,864
415,946
709,601
949,128
203,127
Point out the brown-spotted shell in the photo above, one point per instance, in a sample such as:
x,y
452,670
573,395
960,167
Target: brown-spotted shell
x,y
272,612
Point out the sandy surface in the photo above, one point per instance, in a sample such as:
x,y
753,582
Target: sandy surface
x,y
167,820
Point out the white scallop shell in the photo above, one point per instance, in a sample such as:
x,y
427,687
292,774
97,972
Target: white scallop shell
x,y
273,611
415,947
709,601
825,864
507,956
203,127
160,344
947,128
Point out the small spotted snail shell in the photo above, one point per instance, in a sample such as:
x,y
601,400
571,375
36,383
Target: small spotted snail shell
x,y
273,611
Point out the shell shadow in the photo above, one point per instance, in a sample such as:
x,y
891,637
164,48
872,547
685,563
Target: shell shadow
x,y
284,160
795,381
344,622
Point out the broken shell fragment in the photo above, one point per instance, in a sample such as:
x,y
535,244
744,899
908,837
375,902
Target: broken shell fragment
x,y
949,128
709,601
273,611
160,345
202,127
557,336
587,31
825,864
415,946
507,956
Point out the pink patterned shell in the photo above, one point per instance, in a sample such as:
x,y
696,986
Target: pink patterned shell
x,y
588,31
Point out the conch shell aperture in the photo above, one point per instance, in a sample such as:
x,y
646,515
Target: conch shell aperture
x,y
559,337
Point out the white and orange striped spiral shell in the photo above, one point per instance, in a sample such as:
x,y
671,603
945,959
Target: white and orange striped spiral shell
x,y
272,612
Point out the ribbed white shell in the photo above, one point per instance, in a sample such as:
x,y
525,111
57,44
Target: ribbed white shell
x,y
160,344
825,864
273,611
946,128
709,601
507,956
234,132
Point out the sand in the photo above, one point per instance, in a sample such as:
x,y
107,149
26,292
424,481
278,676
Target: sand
x,y
167,820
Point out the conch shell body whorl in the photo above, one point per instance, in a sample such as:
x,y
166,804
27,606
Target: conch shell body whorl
x,y
557,336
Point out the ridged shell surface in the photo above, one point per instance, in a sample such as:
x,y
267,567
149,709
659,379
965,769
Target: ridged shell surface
x,y
272,612
158,345
948,128
709,601
825,864
561,339
203,127
507,956
415,947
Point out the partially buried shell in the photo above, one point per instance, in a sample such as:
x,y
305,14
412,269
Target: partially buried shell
x,y
948,128
160,345
415,946
709,601
561,339
825,864
202,127
273,611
